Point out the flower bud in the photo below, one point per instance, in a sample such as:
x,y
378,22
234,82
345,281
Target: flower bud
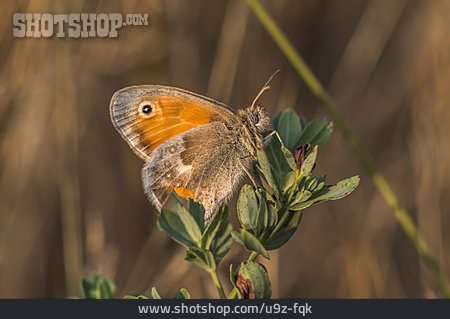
x,y
253,282
300,154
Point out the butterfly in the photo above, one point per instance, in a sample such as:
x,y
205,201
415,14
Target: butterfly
x,y
192,145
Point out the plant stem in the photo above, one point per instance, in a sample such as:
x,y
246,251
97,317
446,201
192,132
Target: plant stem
x,y
218,284
366,160
233,292
252,256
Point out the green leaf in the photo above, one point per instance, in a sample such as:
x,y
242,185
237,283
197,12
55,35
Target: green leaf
x,y
106,288
233,277
155,294
98,287
213,227
170,223
247,208
303,123
87,289
273,217
253,212
288,157
267,215
277,159
189,223
341,189
270,198
222,242
323,136
289,128
231,274
217,235
262,215
267,172
288,225
309,162
301,205
183,294
275,120
288,182
201,257
250,242
257,175
316,132
198,212
301,197
311,183
338,191
320,183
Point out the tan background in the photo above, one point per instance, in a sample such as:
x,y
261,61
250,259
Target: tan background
x,y
70,196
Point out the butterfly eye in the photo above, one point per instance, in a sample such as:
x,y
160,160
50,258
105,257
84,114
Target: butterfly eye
x,y
254,118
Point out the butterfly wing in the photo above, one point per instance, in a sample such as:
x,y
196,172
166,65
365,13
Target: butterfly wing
x,y
147,116
184,139
202,164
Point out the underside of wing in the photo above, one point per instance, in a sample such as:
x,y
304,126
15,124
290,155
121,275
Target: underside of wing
x,y
148,116
199,164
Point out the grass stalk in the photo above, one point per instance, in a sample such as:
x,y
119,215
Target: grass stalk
x,y
355,143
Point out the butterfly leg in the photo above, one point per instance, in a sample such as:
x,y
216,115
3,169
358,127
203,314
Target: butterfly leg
x,y
268,138
249,176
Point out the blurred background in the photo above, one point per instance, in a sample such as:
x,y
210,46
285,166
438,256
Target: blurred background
x,y
71,201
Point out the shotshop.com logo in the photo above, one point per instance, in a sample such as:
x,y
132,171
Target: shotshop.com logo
x,y
73,25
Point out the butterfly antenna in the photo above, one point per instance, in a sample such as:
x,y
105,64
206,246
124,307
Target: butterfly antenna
x,y
265,87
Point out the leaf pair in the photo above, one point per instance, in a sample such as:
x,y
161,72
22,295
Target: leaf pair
x,y
294,131
205,246
254,211
325,193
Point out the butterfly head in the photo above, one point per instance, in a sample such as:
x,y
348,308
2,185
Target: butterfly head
x,y
256,120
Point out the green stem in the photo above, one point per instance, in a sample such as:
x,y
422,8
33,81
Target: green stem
x,y
233,292
252,256
366,160
218,284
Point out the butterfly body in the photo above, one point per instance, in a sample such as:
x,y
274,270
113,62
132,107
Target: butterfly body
x,y
193,145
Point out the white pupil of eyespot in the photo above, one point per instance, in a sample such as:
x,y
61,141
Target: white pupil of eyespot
x,y
146,109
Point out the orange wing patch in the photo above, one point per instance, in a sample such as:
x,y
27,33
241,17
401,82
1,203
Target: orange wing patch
x,y
172,116
184,192
160,196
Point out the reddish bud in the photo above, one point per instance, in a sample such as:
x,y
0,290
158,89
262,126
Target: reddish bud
x,y
245,287
300,154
